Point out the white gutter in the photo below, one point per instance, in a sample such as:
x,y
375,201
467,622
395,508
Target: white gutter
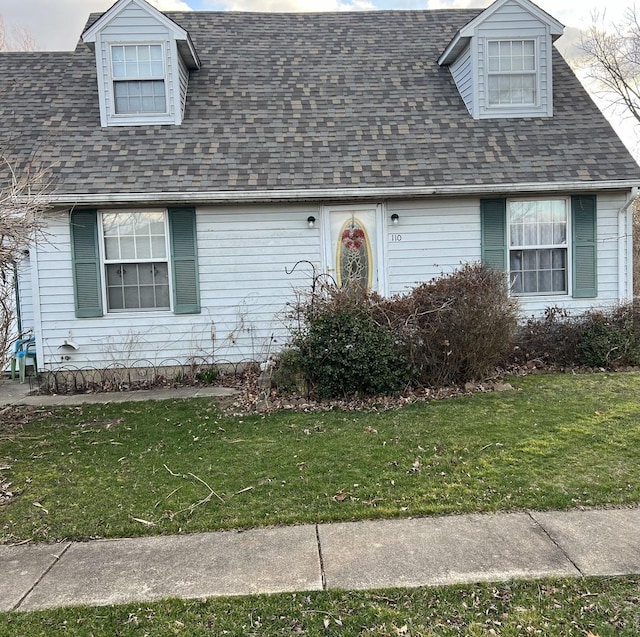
x,y
625,249
332,194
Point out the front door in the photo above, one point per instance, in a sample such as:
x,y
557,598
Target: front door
x,y
353,251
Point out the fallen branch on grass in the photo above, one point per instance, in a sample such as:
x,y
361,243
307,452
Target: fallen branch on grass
x,y
204,500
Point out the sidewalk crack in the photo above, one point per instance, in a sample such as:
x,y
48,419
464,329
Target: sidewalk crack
x,y
55,561
322,573
555,543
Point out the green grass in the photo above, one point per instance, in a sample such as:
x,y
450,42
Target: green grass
x,y
558,441
552,608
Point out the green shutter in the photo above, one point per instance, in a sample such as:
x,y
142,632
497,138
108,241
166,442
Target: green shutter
x,y
184,259
584,219
85,257
493,218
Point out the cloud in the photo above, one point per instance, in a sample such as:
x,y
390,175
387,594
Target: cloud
x,y
170,5
458,4
298,6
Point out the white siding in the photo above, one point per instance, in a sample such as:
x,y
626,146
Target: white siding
x,y
184,84
431,238
133,21
243,255
510,23
134,25
462,72
26,294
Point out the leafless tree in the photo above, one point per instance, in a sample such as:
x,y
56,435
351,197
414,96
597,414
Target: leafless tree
x,y
612,59
23,199
612,63
18,39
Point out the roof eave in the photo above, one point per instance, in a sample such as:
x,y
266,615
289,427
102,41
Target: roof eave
x,y
324,194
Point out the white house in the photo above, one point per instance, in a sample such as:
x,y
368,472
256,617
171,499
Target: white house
x,y
198,157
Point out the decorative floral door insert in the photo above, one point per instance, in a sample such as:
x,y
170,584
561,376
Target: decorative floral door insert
x,y
352,246
353,259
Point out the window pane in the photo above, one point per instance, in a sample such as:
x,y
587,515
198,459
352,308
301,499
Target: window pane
x,y
115,298
530,281
112,248
147,296
131,297
131,236
127,248
146,96
544,259
158,247
559,281
143,247
129,274
162,296
544,281
161,274
546,233
145,273
559,259
516,282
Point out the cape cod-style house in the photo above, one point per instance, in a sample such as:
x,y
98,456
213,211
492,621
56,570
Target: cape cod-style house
x,y
197,157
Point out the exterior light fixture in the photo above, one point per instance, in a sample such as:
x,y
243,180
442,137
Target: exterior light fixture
x,y
311,221
395,219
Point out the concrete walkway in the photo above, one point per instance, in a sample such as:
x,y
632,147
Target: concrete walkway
x,y
14,393
356,555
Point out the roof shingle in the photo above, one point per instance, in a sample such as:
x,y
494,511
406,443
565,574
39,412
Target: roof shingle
x,y
300,101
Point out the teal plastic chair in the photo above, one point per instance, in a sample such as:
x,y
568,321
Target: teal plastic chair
x,y
24,349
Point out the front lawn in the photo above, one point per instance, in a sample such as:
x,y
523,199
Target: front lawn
x,y
596,607
555,442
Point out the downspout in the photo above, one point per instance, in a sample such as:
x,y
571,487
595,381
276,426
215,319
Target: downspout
x,y
16,288
625,249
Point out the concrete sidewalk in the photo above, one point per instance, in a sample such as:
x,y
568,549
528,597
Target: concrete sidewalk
x,y
13,393
355,555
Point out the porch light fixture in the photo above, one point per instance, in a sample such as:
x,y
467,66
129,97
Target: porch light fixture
x,y
395,219
311,221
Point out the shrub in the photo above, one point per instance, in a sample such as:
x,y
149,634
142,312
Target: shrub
x,y
610,338
549,340
451,330
606,338
461,326
343,351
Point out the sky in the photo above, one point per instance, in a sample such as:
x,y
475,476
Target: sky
x,y
56,25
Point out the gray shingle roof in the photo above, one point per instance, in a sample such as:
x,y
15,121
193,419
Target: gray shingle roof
x,y
299,101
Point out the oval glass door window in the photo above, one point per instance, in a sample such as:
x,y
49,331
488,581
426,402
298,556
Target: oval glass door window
x,y
353,255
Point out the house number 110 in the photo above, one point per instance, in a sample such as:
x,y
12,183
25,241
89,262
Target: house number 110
x,y
395,238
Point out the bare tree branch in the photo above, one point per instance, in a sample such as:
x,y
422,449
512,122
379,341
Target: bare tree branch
x,y
613,59
19,39
22,204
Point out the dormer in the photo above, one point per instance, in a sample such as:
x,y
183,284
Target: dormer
x,y
501,61
143,61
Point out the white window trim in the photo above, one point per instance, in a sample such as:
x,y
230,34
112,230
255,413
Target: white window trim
x,y
127,117
568,247
104,261
115,80
537,73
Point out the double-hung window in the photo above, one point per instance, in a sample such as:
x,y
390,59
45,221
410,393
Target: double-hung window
x,y
538,231
511,73
138,73
136,263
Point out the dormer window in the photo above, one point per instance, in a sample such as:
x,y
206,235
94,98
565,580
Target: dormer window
x,y
143,63
138,79
500,76
511,72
